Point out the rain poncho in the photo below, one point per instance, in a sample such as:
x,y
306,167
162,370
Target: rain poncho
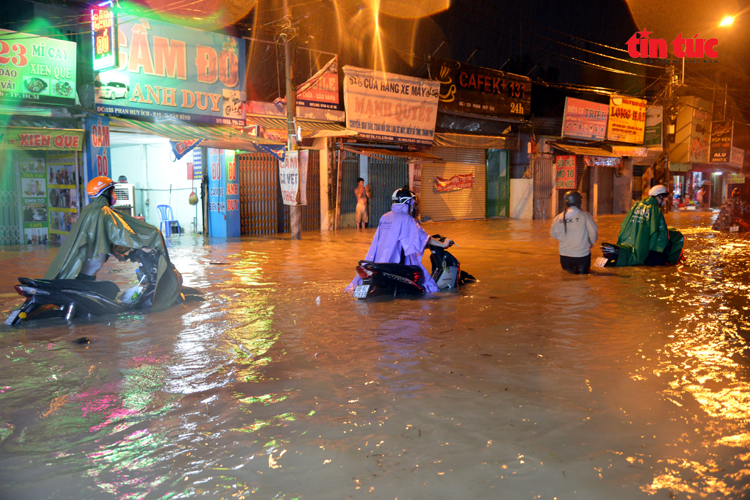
x,y
96,230
397,231
644,230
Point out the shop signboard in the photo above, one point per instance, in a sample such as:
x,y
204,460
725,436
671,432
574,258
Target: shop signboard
x,y
388,107
197,164
293,178
104,37
585,119
36,69
653,132
223,194
169,71
97,154
734,178
322,89
692,131
481,91
565,172
627,119
737,158
720,147
49,139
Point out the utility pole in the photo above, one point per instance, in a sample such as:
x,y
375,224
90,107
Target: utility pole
x,y
295,211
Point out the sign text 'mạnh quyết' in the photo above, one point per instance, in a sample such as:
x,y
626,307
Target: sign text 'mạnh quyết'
x,y
390,107
169,71
36,69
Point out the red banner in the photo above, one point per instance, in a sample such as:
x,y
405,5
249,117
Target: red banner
x,y
454,183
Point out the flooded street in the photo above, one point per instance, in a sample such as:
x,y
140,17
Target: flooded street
x,y
531,383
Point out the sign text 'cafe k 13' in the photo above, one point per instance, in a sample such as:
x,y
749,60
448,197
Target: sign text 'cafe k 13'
x,y
172,71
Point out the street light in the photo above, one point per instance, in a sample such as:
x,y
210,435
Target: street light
x,y
727,21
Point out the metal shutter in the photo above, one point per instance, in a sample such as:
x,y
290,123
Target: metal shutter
x,y
605,196
454,205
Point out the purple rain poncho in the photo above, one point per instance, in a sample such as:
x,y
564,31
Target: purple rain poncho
x,y
398,230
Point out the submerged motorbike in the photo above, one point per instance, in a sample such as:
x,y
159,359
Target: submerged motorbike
x,y
672,254
82,298
400,279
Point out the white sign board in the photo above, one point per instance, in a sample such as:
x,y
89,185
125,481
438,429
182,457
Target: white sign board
x,y
389,107
293,178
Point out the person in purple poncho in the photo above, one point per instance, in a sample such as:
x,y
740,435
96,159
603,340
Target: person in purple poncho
x,y
400,239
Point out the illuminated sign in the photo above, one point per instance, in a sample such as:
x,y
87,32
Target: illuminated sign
x,y
104,38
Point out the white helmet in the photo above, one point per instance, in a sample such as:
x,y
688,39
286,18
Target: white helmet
x,y
657,190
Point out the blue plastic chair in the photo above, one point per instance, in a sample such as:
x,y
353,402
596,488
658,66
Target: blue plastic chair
x,y
167,218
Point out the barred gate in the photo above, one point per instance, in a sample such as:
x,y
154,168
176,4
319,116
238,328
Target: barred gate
x,y
386,175
262,211
9,212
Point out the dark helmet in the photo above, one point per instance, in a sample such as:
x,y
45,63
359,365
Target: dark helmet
x,y
573,198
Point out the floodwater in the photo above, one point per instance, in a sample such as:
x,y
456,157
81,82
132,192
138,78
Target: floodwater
x,y
531,383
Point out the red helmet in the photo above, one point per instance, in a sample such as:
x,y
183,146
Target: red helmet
x,y
98,185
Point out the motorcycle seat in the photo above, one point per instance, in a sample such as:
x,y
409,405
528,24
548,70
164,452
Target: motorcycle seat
x,y
107,289
399,269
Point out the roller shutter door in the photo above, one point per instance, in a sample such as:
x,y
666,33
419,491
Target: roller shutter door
x,y
460,204
606,190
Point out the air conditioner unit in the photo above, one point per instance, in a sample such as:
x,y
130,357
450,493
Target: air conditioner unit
x,y
125,198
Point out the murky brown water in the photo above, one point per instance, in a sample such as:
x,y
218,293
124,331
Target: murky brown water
x,y
531,383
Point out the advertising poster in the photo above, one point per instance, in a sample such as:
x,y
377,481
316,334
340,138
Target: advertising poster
x,y
97,152
34,198
585,119
223,194
481,91
293,178
627,119
390,107
197,164
720,148
169,71
36,69
454,183
654,133
62,189
565,173
700,135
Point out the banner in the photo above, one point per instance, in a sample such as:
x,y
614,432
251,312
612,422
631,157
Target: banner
x,y
97,153
565,172
181,148
169,71
481,91
454,183
293,178
197,164
223,194
389,107
37,69
653,131
627,119
49,139
585,119
35,223
602,161
720,147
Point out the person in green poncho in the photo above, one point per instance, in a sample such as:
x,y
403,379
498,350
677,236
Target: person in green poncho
x,y
100,231
644,237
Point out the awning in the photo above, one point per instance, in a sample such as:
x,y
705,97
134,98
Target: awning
x,y
641,155
382,153
584,150
214,136
474,141
310,128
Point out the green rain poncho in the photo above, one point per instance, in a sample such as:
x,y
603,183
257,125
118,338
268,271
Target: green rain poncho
x,y
644,230
96,230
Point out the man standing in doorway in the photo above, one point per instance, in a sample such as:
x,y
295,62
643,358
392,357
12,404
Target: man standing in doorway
x,y
362,193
